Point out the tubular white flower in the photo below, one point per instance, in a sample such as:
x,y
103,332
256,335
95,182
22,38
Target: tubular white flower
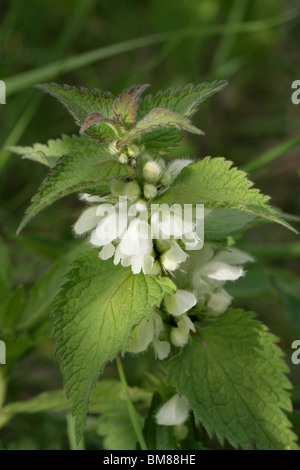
x,y
87,221
180,302
107,251
178,338
174,412
222,271
219,301
172,258
110,226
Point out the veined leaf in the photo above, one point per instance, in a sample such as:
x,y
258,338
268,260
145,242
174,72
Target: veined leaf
x,y
156,118
184,100
80,101
126,105
75,172
95,313
214,183
233,376
48,154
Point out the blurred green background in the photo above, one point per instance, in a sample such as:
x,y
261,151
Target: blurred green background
x,y
112,45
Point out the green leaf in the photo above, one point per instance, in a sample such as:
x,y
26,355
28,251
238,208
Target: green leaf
x,y
98,127
80,101
126,105
47,154
162,139
214,183
233,376
159,117
158,437
95,313
184,100
221,224
75,172
116,428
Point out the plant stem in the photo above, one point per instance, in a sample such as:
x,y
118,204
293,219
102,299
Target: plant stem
x,y
72,435
132,411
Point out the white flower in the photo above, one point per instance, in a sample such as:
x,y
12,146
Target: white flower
x,y
180,302
172,258
87,221
110,227
174,412
135,247
219,301
161,348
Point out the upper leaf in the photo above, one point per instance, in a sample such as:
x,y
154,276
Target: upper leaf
x,y
80,101
47,154
95,313
183,100
126,105
232,374
156,118
214,183
75,172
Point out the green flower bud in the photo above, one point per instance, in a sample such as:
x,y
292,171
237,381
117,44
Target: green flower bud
x,y
123,158
132,190
151,171
150,191
156,270
133,150
178,337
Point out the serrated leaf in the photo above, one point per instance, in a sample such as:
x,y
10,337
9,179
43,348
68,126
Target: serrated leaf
x,y
184,100
161,140
95,313
77,171
156,118
99,127
126,105
222,224
233,375
80,101
48,154
216,184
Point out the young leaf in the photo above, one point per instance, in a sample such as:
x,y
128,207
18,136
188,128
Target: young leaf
x,y
48,154
159,117
95,313
184,100
125,106
98,127
233,376
75,172
214,183
80,101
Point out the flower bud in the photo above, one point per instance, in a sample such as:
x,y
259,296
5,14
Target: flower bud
x,y
174,412
178,337
156,270
133,150
123,158
117,187
132,190
150,191
151,171
180,302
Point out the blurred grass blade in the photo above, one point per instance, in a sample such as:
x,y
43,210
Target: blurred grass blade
x,y
25,79
273,154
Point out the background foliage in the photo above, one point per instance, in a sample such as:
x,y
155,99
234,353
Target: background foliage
x,y
112,45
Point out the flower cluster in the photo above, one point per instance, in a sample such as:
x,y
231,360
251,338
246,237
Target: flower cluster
x,y
161,241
